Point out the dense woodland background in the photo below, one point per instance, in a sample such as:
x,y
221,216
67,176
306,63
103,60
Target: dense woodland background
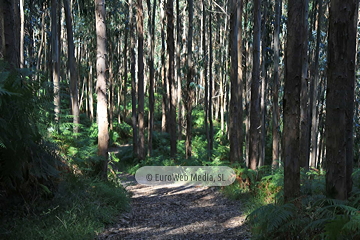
x,y
269,87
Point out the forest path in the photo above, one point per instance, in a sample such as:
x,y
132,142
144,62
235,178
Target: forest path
x,y
185,212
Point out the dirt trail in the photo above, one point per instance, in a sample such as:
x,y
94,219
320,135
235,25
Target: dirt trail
x,y
178,213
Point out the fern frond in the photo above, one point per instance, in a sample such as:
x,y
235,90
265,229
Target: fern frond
x,y
353,225
281,215
317,224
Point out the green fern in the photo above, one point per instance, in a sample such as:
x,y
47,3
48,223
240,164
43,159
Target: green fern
x,y
26,157
268,221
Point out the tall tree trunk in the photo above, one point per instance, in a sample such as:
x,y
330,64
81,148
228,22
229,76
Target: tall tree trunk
x,y
125,64
91,93
133,80
239,78
235,123
22,33
111,87
164,104
275,116
42,43
210,114
140,31
189,88
2,33
314,92
254,143
296,51
203,74
304,97
264,78
102,116
55,57
72,68
151,26
10,50
340,97
178,69
247,93
170,76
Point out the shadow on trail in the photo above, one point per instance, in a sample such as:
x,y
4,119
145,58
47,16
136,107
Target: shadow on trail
x,y
184,212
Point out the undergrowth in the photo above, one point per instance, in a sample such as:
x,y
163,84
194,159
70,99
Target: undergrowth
x,y
311,216
80,209
48,189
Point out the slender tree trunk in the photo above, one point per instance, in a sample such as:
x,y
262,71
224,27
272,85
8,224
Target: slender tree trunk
x,y
133,80
235,123
203,74
22,32
111,87
210,115
178,70
254,143
247,92
2,33
275,116
340,97
55,57
314,92
125,76
170,76
30,29
264,78
42,43
102,116
91,93
72,68
151,26
164,104
140,31
304,97
189,89
222,71
295,55
239,78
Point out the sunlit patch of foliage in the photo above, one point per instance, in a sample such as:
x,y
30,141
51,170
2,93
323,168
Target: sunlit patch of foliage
x,y
311,216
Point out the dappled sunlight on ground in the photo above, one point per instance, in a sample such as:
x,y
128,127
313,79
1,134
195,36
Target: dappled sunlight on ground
x,y
184,212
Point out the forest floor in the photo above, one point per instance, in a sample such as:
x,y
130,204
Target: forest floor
x,y
186,212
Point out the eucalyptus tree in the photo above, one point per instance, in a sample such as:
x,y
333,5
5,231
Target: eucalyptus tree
x,y
72,67
295,55
101,88
55,49
235,108
151,27
189,79
8,48
275,110
170,75
314,90
254,141
340,97
140,112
